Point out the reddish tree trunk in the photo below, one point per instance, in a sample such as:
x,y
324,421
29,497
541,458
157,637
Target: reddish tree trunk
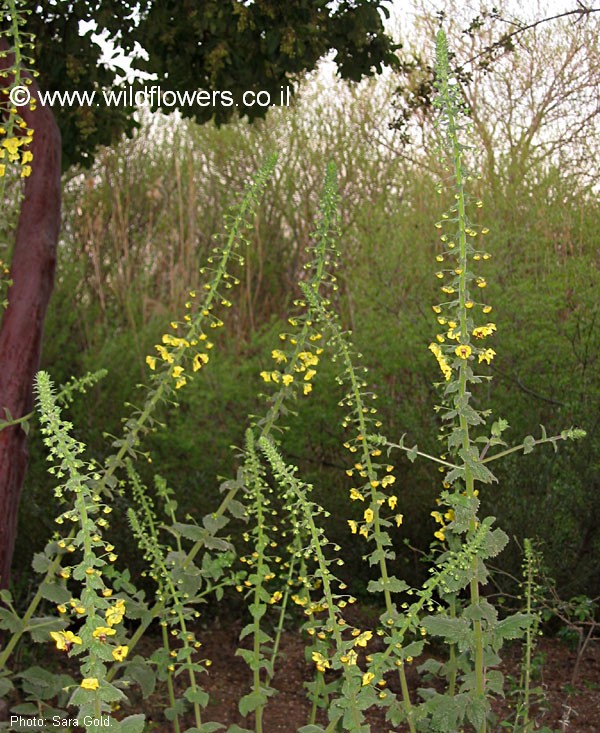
x,y
32,273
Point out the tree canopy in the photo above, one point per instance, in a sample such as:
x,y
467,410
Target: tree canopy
x,y
233,45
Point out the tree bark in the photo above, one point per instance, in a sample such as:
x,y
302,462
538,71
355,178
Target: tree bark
x,y
32,273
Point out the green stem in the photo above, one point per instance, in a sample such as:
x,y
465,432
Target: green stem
x,y
462,392
423,455
508,451
170,688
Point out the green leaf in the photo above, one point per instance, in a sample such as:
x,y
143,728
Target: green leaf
x,y
235,728
10,622
5,686
198,696
40,563
55,592
499,426
249,703
214,522
493,544
175,710
394,585
40,627
528,444
412,453
141,672
189,531
512,627
237,509
133,723
453,630
208,728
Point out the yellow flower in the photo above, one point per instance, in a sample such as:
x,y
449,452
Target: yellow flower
x,y
107,592
26,171
353,526
12,145
180,383
114,615
350,659
287,379
177,371
2,170
320,661
487,355
307,388
164,354
266,376
392,501
278,356
463,351
367,678
355,495
90,683
368,515
399,518
441,360
483,331
388,480
65,640
199,360
101,632
363,638
151,362
277,596
364,531
119,653
440,535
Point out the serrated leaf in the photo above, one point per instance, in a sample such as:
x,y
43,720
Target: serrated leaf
x,y
198,696
249,703
454,475
141,672
217,543
5,686
133,723
55,592
453,630
235,728
209,728
40,628
10,622
499,426
40,562
237,509
177,709
493,543
214,522
412,453
528,444
512,627
189,531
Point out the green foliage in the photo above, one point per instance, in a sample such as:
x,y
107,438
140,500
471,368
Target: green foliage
x,y
288,554
224,47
